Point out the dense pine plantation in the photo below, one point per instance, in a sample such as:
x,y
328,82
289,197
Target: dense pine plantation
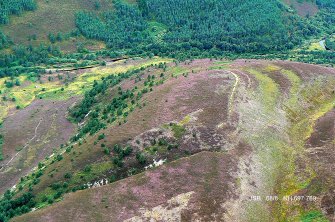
x,y
228,25
123,28
180,29
23,59
203,25
326,17
10,206
4,40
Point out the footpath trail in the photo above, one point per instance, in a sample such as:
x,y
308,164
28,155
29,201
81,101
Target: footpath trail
x,y
27,144
231,98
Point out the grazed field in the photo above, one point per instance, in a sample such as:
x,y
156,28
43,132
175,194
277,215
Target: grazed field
x,y
245,128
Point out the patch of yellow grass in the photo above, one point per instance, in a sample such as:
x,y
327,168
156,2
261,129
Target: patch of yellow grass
x,y
186,120
301,129
267,87
271,68
315,46
171,212
87,79
220,65
307,125
3,112
295,86
29,91
178,70
96,169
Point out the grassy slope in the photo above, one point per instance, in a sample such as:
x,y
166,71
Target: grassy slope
x,y
51,17
190,174
32,89
83,154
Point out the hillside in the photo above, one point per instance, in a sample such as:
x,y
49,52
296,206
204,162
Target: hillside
x,y
51,34
58,18
252,125
165,22
175,110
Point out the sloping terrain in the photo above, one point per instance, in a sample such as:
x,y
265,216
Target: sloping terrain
x,y
51,17
30,135
33,132
139,26
140,110
249,140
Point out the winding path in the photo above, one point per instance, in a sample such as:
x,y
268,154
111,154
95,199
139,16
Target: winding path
x,y
231,98
27,144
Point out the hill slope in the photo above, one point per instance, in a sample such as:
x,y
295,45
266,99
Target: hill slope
x,y
258,121
146,100
69,32
222,25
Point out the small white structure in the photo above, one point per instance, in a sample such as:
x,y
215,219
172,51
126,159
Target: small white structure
x,y
98,183
155,164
